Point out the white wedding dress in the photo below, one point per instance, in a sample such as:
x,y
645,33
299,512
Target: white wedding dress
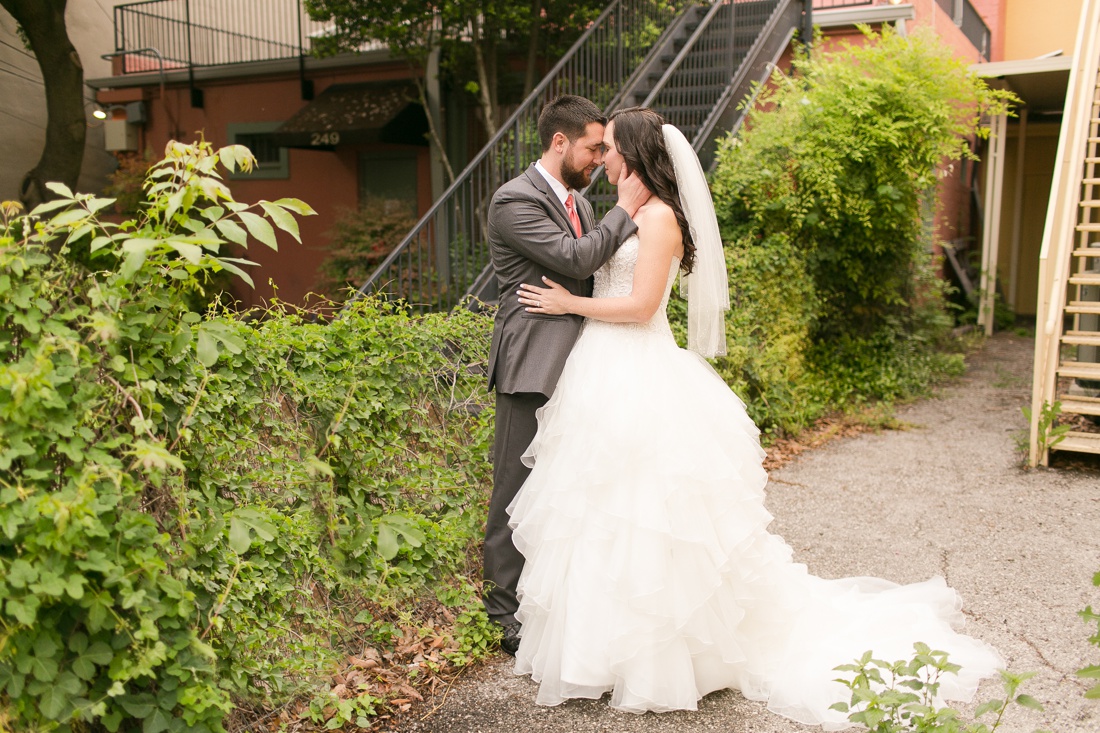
x,y
649,570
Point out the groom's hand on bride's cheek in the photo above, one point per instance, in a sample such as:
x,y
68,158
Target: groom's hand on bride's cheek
x,y
632,193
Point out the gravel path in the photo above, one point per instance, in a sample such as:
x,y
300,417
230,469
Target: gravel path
x,y
947,496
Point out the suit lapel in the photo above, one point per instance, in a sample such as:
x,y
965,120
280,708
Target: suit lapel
x,y
562,216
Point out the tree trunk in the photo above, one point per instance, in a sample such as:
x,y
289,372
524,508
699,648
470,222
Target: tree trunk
x,y
44,23
433,133
533,49
486,102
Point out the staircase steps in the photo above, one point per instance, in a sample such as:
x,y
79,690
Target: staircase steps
x,y
1083,307
1080,407
1081,338
1079,370
1079,442
1071,249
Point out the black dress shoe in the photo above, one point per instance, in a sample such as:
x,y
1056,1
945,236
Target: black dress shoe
x,y
509,642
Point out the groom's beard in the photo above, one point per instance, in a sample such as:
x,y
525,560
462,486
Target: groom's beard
x,y
575,178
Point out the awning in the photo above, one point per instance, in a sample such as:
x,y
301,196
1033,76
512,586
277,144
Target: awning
x,y
1039,83
356,114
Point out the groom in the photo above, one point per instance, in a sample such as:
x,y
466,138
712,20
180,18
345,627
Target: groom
x,y
539,226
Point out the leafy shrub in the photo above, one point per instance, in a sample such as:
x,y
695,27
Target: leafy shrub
x,y
844,160
358,242
771,310
202,511
821,201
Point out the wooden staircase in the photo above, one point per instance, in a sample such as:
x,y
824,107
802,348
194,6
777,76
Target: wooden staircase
x,y
1067,339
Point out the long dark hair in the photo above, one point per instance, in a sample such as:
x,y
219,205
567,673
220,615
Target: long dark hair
x,y
639,139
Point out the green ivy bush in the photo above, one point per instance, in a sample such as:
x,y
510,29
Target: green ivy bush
x,y
836,294
203,510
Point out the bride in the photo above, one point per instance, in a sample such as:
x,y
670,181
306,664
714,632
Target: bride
x,y
649,571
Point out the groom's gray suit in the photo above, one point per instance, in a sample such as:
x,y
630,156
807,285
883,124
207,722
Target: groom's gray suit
x,y
530,236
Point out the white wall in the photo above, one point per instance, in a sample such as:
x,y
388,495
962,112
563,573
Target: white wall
x,y
23,100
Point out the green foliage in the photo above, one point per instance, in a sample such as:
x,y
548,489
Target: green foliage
x,y
847,155
126,185
822,200
475,38
1092,672
359,240
1050,433
195,510
901,697
767,328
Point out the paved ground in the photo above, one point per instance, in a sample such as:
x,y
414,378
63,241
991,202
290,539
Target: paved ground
x,y
946,496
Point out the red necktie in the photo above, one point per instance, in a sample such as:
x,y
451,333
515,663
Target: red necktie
x,y
573,218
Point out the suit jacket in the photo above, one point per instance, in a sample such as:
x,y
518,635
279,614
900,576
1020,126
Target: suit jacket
x,y
530,236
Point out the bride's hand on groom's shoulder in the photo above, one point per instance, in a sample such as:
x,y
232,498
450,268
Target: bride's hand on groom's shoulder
x,y
553,300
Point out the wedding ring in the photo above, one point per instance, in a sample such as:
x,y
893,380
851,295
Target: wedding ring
x,y
538,303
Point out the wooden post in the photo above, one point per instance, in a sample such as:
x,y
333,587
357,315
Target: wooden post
x,y
1017,209
991,229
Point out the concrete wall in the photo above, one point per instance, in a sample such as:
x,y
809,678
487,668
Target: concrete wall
x,y
1037,27
993,13
23,112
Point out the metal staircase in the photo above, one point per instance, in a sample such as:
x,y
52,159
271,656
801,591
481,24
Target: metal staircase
x,y
695,71
1067,339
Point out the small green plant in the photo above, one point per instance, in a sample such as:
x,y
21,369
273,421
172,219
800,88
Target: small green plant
x,y
126,184
1092,672
359,240
1050,434
901,697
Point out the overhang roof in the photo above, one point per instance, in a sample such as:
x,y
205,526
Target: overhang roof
x,y
1041,83
869,14
369,112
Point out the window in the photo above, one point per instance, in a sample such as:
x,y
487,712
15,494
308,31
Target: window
x,y
272,161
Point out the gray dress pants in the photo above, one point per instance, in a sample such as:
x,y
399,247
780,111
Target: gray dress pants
x,y
515,429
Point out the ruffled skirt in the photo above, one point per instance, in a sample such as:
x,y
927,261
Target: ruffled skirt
x,y
650,573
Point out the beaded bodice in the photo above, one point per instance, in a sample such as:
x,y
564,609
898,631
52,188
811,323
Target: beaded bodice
x,y
616,280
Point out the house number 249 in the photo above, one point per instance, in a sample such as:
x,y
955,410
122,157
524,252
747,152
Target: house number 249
x,y
324,138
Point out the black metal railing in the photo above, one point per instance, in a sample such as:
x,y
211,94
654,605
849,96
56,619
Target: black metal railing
x,y
442,258
690,82
732,45
688,91
192,33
